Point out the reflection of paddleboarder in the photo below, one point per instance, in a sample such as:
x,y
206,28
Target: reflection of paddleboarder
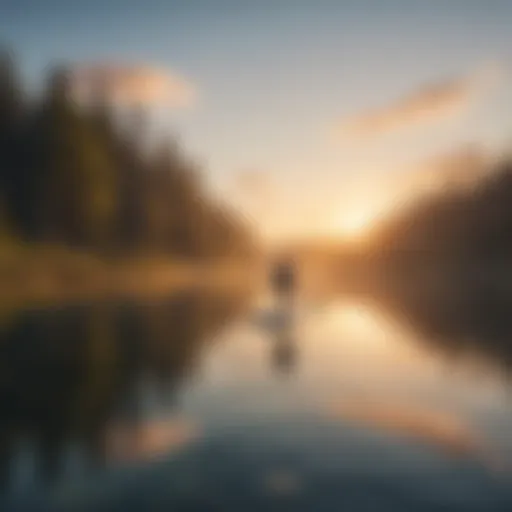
x,y
284,354
283,282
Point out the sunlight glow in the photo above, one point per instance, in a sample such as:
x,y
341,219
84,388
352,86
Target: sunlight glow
x,y
354,225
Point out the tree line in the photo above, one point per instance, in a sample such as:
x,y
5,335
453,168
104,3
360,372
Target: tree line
x,y
80,178
456,229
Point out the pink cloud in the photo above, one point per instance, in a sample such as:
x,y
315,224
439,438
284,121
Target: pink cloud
x,y
431,103
131,85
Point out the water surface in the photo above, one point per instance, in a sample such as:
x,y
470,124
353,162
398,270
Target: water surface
x,y
218,402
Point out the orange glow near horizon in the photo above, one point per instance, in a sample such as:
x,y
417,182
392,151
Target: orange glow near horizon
x,y
354,225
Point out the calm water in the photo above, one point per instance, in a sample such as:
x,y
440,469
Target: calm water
x,y
204,402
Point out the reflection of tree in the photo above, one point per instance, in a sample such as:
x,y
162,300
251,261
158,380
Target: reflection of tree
x,y
463,320
65,374
5,455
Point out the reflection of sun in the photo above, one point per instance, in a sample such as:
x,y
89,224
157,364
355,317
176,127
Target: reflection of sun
x,y
364,324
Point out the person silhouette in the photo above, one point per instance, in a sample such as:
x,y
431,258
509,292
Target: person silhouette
x,y
283,281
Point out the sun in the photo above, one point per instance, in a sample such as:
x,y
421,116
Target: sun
x,y
354,225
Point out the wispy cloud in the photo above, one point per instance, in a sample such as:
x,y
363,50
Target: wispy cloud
x,y
253,183
130,85
432,103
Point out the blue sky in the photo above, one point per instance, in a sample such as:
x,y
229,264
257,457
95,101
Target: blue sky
x,y
274,77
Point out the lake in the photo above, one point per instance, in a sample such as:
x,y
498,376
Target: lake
x,y
360,402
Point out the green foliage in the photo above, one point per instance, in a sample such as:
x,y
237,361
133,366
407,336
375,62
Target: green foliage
x,y
76,176
7,238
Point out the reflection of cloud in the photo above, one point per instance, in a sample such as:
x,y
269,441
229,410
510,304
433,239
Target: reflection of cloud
x,y
436,428
127,85
434,102
132,442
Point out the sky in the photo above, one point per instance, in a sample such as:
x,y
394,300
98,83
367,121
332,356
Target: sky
x,y
294,107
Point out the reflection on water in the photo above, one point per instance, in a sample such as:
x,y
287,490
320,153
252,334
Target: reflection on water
x,y
181,404
83,378
128,441
284,354
284,350
441,430
470,320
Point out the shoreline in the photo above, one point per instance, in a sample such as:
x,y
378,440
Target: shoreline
x,y
40,279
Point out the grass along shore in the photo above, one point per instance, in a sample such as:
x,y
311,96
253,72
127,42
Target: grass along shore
x,y
35,275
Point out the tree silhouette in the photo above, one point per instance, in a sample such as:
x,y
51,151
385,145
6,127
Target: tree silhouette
x,y
82,176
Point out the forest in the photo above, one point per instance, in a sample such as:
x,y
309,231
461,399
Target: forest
x,y
464,229
86,178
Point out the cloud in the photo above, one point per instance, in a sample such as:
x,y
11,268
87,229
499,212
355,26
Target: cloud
x,y
253,183
431,103
132,85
